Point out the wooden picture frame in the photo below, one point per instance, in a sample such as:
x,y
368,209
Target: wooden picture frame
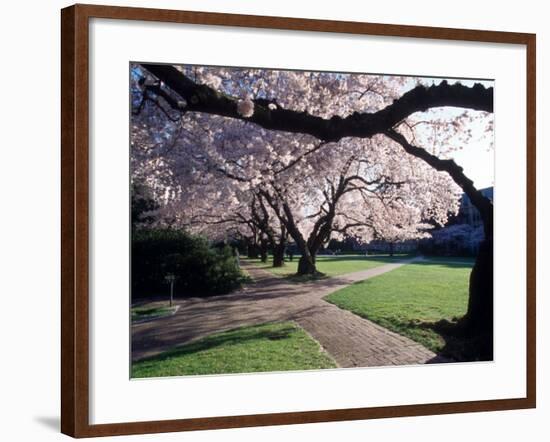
x,y
75,220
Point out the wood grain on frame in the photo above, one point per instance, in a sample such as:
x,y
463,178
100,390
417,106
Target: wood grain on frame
x,y
74,220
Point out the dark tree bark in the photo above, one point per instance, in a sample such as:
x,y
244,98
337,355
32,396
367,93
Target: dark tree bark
x,y
279,248
322,228
276,241
252,251
202,98
279,255
306,265
307,248
479,316
263,250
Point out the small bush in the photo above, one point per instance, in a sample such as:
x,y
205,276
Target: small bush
x,y
200,269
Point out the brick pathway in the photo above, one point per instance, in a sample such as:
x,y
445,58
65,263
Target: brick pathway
x,y
351,340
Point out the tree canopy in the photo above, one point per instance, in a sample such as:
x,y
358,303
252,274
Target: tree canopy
x,y
273,154
270,154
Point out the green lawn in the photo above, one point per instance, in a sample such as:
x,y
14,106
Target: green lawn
x,y
450,259
330,265
151,311
266,347
411,300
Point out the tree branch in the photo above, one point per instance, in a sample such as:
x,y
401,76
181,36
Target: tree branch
x,y
482,203
202,98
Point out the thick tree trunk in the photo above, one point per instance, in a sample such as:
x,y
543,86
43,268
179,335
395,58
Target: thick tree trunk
x,y
263,251
252,251
478,320
391,248
306,265
279,255
479,317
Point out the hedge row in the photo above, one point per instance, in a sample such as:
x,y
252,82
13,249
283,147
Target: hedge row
x,y
200,269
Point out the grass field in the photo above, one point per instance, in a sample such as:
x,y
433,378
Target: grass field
x,y
450,259
266,347
411,300
150,311
330,265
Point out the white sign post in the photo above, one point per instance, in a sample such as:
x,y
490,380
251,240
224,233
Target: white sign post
x,y
171,279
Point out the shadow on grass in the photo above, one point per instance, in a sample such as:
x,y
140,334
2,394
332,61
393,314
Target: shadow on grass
x,y
460,345
450,264
141,312
261,265
303,279
232,337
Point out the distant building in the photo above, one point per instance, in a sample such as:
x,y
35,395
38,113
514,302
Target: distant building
x,y
380,246
463,233
467,213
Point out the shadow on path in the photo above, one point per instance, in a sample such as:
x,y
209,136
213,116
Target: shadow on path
x,y
351,340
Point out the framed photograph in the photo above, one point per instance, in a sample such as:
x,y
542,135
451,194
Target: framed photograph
x,y
272,221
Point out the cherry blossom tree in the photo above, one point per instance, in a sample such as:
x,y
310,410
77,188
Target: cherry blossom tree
x,y
281,185
324,153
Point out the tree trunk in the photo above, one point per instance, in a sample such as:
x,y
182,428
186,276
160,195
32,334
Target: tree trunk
x,y
306,265
391,248
252,251
263,251
478,320
480,305
279,255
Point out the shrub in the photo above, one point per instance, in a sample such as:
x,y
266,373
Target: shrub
x,y
200,269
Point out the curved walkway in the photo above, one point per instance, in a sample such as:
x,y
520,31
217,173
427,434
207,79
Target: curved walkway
x,y
351,340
